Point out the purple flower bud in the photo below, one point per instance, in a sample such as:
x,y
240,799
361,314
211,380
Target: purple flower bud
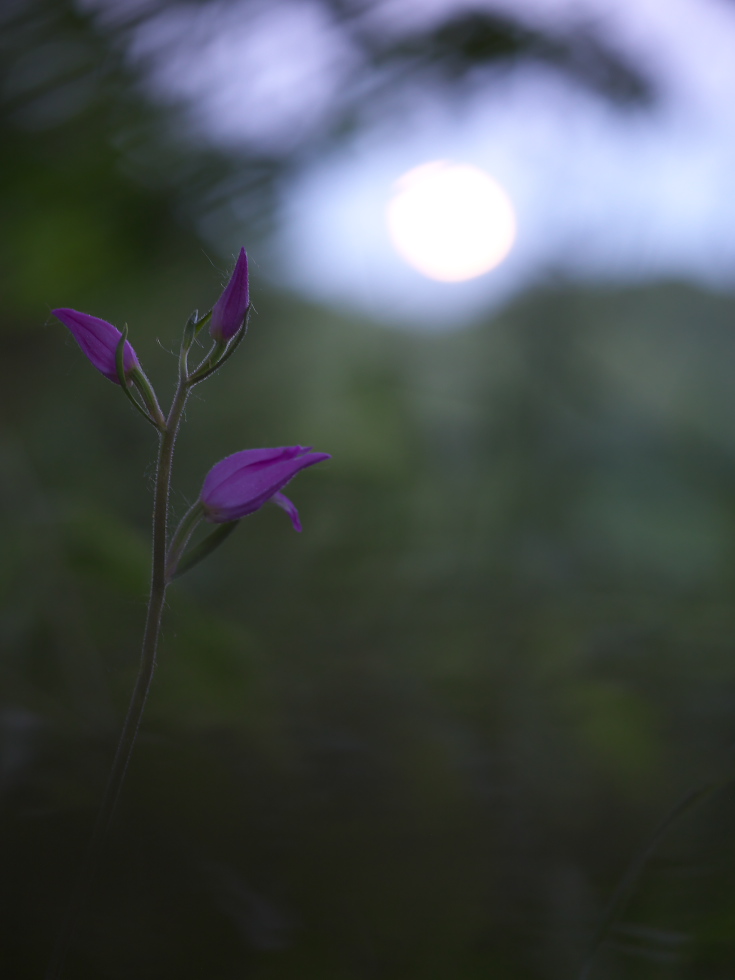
x,y
228,313
98,339
243,482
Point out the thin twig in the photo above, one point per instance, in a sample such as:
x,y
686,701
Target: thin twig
x,y
131,725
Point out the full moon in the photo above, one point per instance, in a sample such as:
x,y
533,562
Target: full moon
x,y
451,221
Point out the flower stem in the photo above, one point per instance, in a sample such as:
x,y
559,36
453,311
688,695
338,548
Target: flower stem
x,y
131,725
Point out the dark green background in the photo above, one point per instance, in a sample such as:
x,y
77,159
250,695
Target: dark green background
x,y
424,738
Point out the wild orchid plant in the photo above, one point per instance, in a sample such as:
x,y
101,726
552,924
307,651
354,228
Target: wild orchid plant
x,y
233,488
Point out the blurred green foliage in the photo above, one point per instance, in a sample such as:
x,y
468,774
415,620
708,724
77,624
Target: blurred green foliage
x,y
425,737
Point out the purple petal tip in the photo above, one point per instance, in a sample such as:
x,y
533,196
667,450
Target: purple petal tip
x,y
228,313
98,340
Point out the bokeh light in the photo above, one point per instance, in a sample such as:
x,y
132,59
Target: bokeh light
x,y
451,221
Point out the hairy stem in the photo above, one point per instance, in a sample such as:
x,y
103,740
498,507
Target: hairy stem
x,y
139,697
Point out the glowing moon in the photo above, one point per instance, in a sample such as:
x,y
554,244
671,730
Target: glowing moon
x,y
451,221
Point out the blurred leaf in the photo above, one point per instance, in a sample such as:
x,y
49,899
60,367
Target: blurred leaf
x,y
102,548
618,728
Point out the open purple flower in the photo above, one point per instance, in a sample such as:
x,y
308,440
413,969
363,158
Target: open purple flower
x,y
228,313
243,482
98,339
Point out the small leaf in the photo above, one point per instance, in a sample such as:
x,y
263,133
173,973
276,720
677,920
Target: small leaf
x,y
204,548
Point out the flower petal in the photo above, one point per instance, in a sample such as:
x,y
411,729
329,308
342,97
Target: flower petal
x,y
229,311
98,340
230,466
243,482
290,508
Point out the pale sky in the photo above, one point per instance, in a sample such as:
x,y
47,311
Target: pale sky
x,y
600,193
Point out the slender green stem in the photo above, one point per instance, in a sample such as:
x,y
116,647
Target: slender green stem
x,y
139,697
207,364
221,352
